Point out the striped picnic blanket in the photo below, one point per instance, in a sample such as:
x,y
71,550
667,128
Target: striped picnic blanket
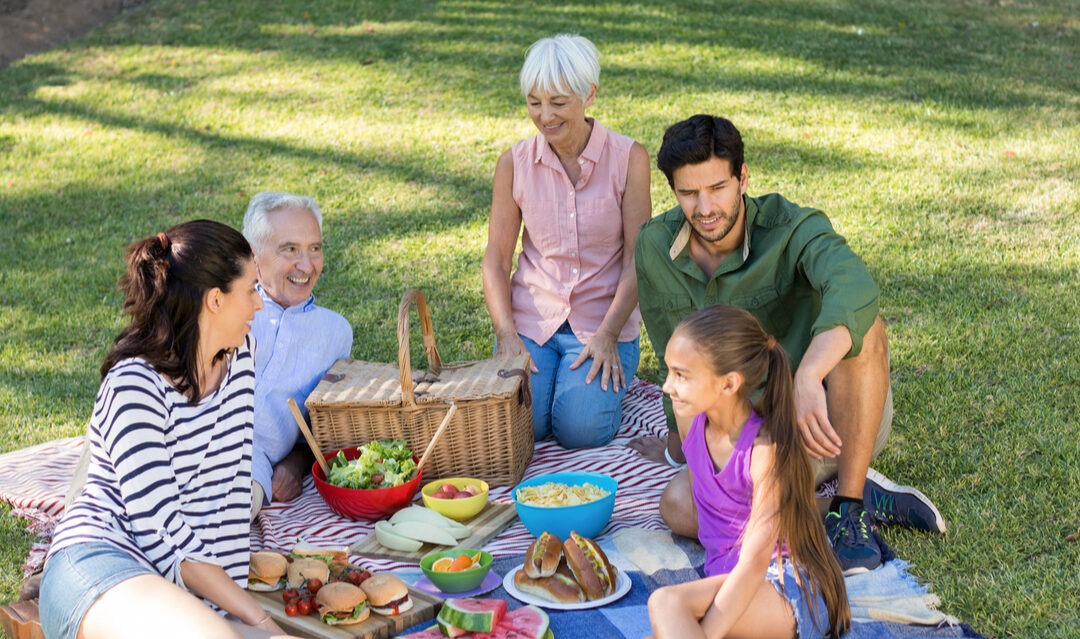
x,y
34,481
885,603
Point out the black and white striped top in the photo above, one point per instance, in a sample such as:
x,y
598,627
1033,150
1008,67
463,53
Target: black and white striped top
x,y
169,481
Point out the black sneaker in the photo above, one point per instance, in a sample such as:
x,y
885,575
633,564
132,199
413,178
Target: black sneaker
x,y
854,543
892,504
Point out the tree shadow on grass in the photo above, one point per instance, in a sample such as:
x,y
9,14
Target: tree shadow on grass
x,y
920,51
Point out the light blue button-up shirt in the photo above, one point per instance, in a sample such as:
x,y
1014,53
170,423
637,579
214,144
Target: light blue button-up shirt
x,y
295,346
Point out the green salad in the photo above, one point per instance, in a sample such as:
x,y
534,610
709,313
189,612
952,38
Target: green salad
x,y
380,465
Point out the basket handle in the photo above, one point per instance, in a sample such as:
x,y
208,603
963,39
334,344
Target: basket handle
x,y
411,296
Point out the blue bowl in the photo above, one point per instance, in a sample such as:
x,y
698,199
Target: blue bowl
x,y
585,519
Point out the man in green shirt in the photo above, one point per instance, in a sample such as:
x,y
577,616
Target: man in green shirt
x,y
786,265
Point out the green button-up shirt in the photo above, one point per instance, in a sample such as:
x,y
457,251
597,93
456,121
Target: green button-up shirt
x,y
795,273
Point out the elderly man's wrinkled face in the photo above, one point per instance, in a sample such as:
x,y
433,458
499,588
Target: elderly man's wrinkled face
x,y
291,261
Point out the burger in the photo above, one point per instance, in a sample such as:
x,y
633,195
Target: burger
x,y
266,572
387,595
336,559
590,566
341,604
300,570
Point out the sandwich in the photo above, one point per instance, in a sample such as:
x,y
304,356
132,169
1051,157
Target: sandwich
x,y
387,595
300,570
341,604
560,587
266,572
543,556
590,566
335,558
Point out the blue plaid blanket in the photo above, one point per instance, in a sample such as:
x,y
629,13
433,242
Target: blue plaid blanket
x,y
887,603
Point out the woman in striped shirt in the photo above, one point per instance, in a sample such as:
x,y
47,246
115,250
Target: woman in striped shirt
x,y
164,517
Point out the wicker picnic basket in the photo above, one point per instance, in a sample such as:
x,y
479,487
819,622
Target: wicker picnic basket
x,y
490,435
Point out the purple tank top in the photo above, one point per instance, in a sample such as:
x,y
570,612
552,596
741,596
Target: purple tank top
x,y
723,498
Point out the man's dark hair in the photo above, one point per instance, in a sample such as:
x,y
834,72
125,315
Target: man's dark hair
x,y
696,140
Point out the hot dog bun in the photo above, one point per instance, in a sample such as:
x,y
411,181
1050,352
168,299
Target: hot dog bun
x,y
543,556
558,587
590,566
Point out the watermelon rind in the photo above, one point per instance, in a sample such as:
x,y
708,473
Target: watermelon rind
x,y
451,631
475,615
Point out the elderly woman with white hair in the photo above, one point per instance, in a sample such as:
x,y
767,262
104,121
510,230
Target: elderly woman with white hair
x,y
581,192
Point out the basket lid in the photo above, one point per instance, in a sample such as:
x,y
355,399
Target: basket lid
x,y
353,382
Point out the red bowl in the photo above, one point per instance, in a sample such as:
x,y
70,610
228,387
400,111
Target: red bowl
x,y
369,504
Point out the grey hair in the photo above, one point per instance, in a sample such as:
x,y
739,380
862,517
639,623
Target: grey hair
x,y
257,229
561,64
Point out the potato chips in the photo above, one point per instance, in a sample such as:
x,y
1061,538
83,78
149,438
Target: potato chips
x,y
556,494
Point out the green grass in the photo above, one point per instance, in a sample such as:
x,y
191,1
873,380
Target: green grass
x,y
942,137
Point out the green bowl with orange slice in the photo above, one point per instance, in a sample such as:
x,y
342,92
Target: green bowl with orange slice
x,y
456,570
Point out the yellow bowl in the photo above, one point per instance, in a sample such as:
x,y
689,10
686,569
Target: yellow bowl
x,y
459,508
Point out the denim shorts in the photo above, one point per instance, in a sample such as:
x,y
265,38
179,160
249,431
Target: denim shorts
x,y
74,578
808,625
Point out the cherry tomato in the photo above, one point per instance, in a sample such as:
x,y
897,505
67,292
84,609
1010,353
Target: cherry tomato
x,y
291,609
290,595
314,584
304,607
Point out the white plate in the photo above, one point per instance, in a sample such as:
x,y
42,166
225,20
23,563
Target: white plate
x,y
622,586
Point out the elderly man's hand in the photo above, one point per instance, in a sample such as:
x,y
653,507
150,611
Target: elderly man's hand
x,y
287,483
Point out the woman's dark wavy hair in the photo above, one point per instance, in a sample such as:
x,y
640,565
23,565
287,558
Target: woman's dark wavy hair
x,y
167,277
732,340
698,139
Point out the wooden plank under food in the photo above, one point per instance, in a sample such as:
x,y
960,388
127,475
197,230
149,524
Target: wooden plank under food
x,y
425,607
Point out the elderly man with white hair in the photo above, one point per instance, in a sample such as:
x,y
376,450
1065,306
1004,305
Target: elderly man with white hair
x,y
297,341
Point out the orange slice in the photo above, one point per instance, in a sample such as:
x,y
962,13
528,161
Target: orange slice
x,y
443,564
461,562
476,560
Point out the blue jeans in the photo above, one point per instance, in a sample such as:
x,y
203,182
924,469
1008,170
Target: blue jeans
x,y
579,415
810,620
74,578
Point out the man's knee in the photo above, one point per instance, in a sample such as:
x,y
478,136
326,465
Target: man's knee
x,y
677,506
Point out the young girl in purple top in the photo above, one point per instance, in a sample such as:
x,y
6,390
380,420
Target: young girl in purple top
x,y
770,571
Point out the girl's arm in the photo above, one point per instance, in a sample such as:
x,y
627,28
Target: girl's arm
x,y
759,542
604,345
503,230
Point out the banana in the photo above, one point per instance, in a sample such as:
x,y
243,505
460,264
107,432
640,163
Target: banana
x,y
429,516
388,537
421,531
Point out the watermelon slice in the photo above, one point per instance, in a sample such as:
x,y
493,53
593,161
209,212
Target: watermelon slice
x,y
474,615
527,622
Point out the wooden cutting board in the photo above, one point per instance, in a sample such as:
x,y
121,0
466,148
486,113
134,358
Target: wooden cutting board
x,y
485,525
425,607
